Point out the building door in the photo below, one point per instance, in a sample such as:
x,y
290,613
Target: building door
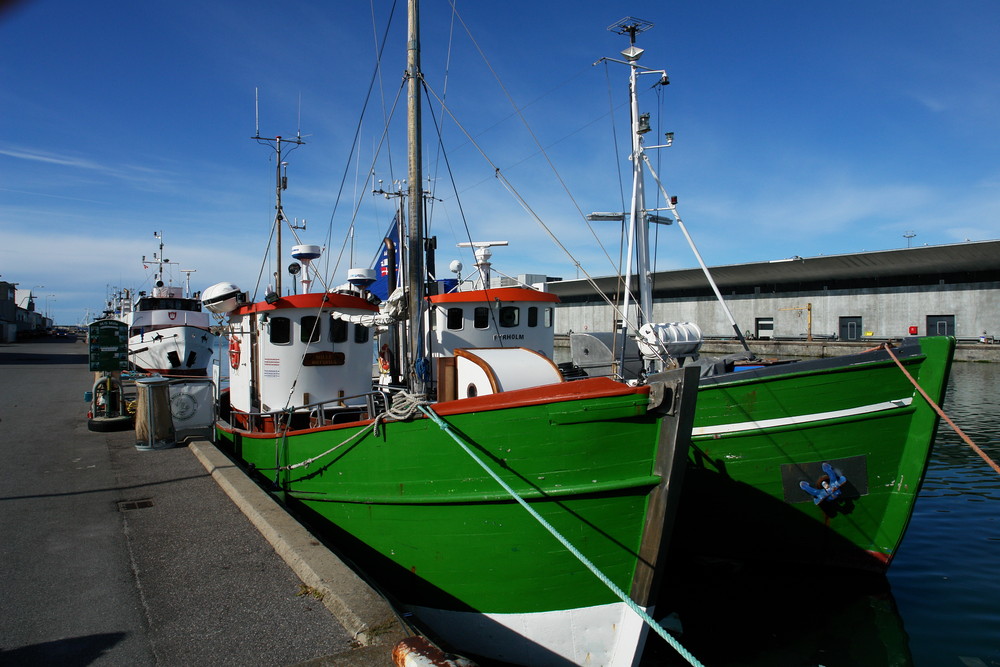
x,y
850,328
940,325
764,328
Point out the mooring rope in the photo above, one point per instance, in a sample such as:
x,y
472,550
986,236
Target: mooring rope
x,y
583,559
404,406
941,413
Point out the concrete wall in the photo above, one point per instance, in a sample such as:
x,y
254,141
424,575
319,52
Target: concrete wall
x,y
886,313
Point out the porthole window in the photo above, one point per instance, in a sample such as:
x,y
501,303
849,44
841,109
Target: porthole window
x,y
338,330
510,316
281,330
310,329
456,319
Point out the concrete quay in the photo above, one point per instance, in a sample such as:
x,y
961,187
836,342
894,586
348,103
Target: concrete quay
x,y
115,556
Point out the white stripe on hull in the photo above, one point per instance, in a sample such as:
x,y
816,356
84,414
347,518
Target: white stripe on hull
x,y
800,420
610,634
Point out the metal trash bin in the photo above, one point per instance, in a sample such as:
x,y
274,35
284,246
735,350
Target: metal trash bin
x,y
154,426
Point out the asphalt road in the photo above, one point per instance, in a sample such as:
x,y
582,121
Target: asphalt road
x,y
115,556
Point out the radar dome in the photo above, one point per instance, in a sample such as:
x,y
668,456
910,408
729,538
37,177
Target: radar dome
x,y
362,278
221,298
306,253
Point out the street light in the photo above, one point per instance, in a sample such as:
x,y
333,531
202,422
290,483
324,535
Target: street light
x,y
47,303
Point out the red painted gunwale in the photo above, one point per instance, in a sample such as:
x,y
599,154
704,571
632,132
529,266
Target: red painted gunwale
x,y
589,388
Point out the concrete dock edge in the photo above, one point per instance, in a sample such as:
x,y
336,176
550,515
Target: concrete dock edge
x,y
360,609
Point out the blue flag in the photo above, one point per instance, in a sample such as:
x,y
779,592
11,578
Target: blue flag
x,y
381,287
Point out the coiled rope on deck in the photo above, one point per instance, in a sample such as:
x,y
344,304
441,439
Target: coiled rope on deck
x,y
941,413
657,628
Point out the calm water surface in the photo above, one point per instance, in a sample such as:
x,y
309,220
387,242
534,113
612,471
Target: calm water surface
x,y
939,605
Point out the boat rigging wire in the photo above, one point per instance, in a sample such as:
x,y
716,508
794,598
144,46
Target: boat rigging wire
x,y
672,207
498,173
354,141
940,412
656,627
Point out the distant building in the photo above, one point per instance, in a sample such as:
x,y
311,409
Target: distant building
x,y
18,317
949,289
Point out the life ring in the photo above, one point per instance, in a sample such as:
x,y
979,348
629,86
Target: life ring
x,y
234,352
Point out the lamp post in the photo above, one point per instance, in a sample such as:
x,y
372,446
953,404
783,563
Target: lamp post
x,y
47,303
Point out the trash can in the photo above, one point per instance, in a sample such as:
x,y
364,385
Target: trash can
x,y
154,427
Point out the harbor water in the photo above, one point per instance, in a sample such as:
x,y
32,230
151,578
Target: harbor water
x,y
938,606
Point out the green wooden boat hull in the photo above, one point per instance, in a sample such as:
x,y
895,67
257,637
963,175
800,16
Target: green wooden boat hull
x,y
424,520
759,434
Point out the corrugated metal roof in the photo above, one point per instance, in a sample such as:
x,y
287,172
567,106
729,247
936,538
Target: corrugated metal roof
x,y
971,256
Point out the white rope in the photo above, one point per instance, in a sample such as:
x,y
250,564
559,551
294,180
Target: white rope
x,y
622,595
404,407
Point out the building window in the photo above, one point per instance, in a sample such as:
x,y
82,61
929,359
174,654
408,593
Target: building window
x,y
510,316
456,319
764,328
310,329
338,330
281,330
481,319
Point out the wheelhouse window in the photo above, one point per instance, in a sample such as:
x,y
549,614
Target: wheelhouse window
x,y
310,329
481,317
532,316
338,330
510,316
455,319
280,330
548,318
360,334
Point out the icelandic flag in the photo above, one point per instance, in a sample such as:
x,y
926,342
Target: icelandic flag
x,y
381,287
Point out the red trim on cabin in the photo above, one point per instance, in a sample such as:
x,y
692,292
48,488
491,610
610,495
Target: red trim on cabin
x,y
313,300
499,294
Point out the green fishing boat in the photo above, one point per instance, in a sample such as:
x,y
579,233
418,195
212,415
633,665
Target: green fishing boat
x,y
815,461
520,517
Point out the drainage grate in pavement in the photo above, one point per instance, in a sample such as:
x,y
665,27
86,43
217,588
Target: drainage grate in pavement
x,y
127,505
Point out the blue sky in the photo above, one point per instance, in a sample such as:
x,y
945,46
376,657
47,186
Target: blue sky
x,y
802,128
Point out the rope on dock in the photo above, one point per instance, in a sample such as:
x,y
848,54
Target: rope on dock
x,y
941,413
657,628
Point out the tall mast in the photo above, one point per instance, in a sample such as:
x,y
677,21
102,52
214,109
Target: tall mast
x,y
415,202
638,221
280,184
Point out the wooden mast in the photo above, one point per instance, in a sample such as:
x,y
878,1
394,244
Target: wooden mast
x,y
415,232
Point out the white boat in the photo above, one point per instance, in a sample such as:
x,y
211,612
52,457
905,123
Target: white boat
x,y
168,333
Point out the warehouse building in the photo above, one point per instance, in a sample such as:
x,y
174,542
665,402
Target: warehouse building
x,y
948,289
